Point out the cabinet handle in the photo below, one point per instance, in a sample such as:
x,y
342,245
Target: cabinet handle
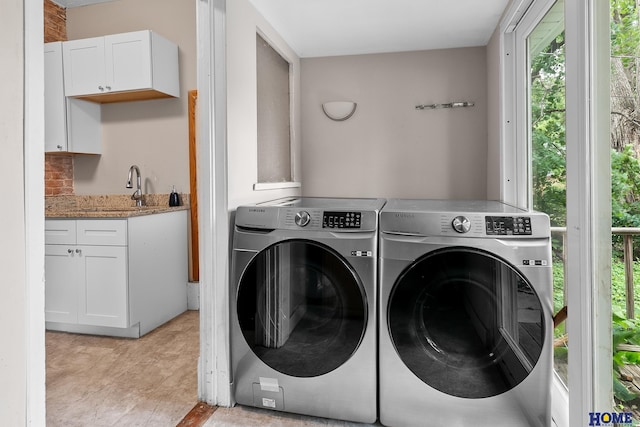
x,y
108,87
78,251
59,147
101,88
70,251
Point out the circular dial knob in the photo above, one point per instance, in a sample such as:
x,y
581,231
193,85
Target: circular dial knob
x,y
461,224
302,218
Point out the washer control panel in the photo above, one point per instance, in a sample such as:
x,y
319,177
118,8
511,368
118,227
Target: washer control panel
x,y
341,219
508,225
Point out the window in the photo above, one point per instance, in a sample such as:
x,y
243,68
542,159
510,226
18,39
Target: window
x,y
546,137
274,115
587,254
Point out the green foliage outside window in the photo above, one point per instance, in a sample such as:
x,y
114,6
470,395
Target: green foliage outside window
x,y
547,114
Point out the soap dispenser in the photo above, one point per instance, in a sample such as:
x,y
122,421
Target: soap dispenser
x,y
174,199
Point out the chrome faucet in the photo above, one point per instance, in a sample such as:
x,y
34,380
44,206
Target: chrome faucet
x,y
137,195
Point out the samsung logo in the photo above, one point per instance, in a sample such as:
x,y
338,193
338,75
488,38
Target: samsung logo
x,y
257,210
404,215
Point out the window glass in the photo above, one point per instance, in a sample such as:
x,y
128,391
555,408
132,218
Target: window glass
x,y
274,115
546,58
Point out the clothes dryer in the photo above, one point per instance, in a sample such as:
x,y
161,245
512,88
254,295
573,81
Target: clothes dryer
x,y
303,304
465,314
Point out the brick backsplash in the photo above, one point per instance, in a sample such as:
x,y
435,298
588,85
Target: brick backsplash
x,y
58,175
58,169
55,22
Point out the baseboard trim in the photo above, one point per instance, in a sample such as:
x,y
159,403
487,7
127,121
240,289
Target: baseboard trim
x,y
131,332
193,295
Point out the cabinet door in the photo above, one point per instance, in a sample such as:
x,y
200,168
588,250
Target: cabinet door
x,y
60,289
54,102
84,132
84,66
70,125
128,59
103,290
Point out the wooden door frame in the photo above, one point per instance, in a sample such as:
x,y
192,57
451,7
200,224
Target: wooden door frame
x,y
194,271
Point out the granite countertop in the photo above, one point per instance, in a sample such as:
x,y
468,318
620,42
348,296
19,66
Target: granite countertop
x,y
109,206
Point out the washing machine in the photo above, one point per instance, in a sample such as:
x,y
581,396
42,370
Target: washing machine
x,y
465,314
303,307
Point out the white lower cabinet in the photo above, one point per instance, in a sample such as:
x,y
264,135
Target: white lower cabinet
x,y
102,290
86,284
61,304
99,281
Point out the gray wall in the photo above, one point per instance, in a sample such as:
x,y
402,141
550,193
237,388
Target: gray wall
x,y
389,149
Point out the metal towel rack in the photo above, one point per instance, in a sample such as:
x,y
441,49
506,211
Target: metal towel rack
x,y
440,106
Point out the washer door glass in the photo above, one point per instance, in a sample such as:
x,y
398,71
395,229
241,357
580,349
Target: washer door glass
x,y
466,323
301,308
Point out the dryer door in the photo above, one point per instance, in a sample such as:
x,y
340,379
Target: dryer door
x,y
301,308
466,322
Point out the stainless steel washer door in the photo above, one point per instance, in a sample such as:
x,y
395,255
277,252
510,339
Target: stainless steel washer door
x,y
301,308
466,322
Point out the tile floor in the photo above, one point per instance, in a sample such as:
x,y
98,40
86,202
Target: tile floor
x,y
152,381
102,381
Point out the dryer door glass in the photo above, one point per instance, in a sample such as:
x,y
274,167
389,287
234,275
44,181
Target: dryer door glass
x,y
466,322
301,308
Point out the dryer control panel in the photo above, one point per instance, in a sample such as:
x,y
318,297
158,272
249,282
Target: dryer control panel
x,y
334,221
341,219
508,225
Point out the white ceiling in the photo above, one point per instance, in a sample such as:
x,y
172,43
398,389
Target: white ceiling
x,y
348,27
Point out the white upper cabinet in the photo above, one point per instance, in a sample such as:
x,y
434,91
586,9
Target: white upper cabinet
x,y
84,70
71,125
121,67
